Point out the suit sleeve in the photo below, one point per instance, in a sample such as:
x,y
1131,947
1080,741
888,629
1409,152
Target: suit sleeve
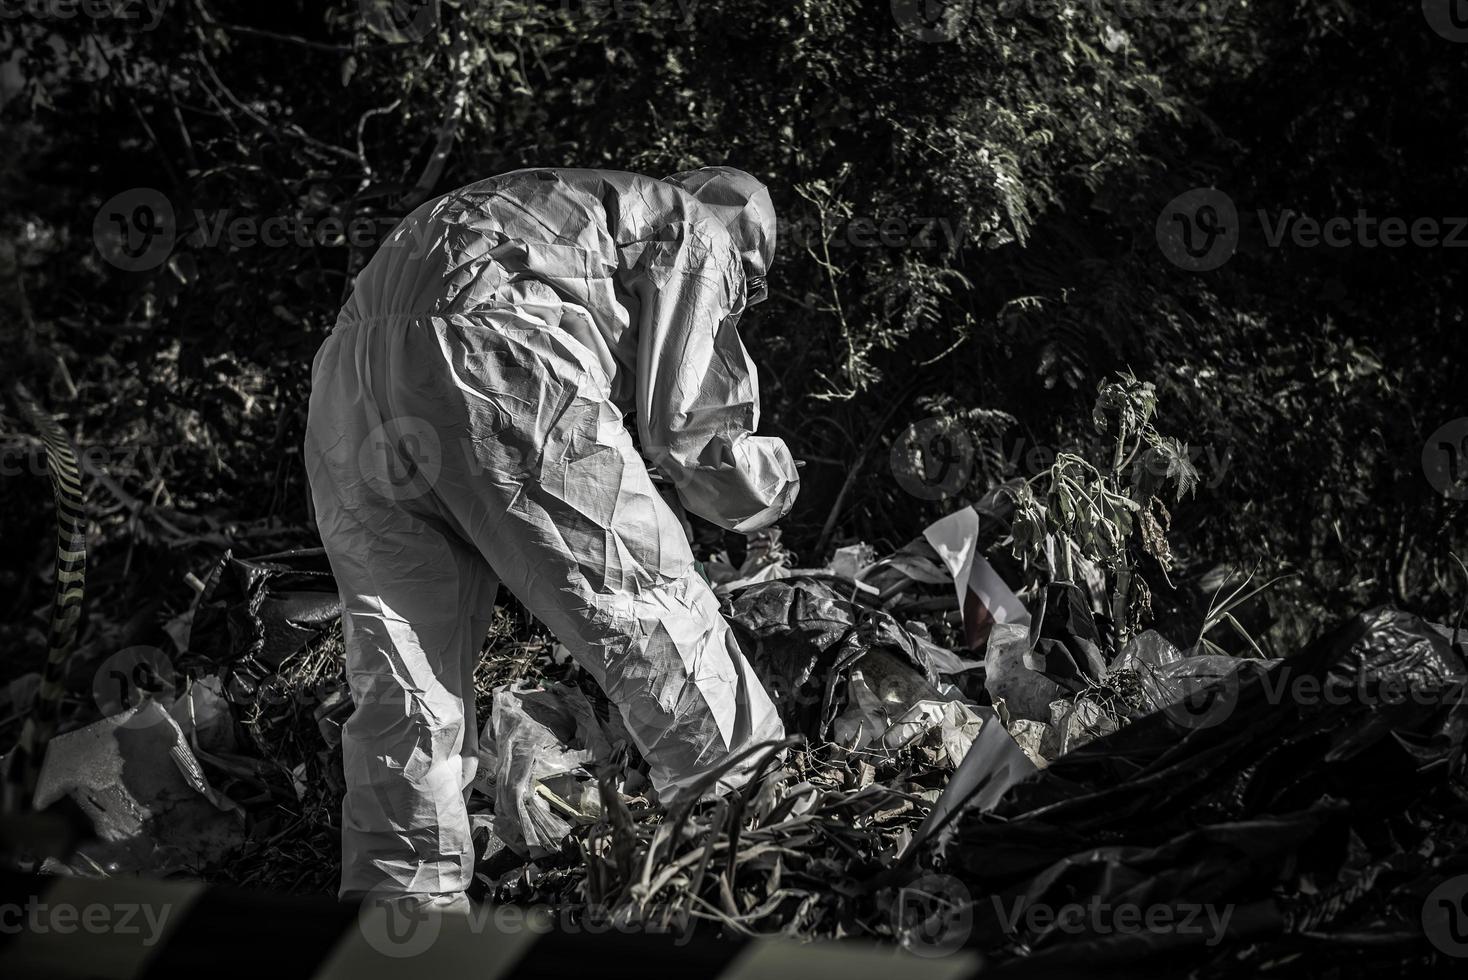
x,y
698,391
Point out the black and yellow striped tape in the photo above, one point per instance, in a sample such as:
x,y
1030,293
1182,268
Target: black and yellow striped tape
x,y
135,929
66,609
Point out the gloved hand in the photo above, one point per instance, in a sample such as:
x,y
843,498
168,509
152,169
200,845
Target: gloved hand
x,y
741,486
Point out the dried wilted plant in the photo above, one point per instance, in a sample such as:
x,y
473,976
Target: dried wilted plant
x,y
1108,512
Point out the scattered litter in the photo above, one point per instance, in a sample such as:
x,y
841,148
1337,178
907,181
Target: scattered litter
x,y
852,560
802,639
1147,649
1008,678
765,560
264,610
891,707
934,728
1319,806
150,804
298,780
1036,738
1076,721
202,713
995,764
545,743
983,597
1065,641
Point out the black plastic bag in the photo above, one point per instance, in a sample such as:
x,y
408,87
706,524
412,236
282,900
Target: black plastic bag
x,y
263,610
1312,803
1065,642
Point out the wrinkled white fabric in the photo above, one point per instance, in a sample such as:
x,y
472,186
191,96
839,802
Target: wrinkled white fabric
x,y
467,426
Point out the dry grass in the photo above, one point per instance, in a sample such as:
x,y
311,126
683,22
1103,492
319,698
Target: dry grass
x,y
803,850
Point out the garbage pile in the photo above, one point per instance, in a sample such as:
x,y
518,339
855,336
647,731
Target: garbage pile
x,y
1311,810
971,763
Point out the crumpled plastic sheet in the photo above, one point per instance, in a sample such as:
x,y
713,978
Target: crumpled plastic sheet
x,y
1007,677
1047,675
1148,649
1190,677
1038,739
802,638
1308,817
1053,656
889,705
543,745
1079,720
1166,676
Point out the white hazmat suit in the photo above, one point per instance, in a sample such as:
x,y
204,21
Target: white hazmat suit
x,y
467,428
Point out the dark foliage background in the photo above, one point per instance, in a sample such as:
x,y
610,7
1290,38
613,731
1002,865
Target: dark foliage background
x,y
970,232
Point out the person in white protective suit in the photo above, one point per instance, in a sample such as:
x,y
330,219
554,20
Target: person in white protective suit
x,y
467,428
